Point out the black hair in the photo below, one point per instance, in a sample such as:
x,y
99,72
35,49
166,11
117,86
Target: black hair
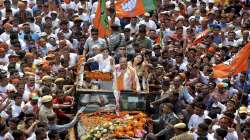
x,y
222,132
200,105
15,95
42,124
51,117
52,134
142,28
39,131
94,30
229,114
14,120
104,48
203,126
202,138
212,114
2,127
135,56
126,30
17,134
13,35
21,53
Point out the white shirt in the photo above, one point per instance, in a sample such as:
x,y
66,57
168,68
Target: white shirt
x,y
8,136
33,137
233,43
55,23
16,110
195,120
3,11
34,27
230,135
73,59
8,87
5,36
84,17
132,29
5,60
104,64
26,93
150,24
29,107
208,136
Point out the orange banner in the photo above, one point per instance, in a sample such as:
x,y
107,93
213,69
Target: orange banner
x,y
101,20
129,8
237,64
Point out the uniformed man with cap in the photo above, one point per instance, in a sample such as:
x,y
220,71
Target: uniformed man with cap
x,y
46,108
181,132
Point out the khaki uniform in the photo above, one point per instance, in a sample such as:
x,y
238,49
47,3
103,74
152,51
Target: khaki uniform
x,y
44,112
183,136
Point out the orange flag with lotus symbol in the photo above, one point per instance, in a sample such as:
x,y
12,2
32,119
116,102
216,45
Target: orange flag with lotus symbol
x,y
133,8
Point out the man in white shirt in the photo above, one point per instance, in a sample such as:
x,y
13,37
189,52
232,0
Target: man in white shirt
x,y
197,117
16,107
6,35
148,22
231,40
5,86
103,59
133,26
28,88
105,62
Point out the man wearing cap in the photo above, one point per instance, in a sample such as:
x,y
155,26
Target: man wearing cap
x,y
29,87
46,108
51,43
31,107
47,81
243,114
181,132
150,24
54,18
221,93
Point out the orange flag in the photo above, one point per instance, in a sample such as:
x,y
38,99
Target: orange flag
x,y
101,20
80,61
233,66
133,8
199,37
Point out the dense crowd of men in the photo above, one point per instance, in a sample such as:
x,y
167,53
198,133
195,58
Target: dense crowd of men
x,y
46,45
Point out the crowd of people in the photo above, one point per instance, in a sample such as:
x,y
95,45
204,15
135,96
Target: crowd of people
x,y
45,46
